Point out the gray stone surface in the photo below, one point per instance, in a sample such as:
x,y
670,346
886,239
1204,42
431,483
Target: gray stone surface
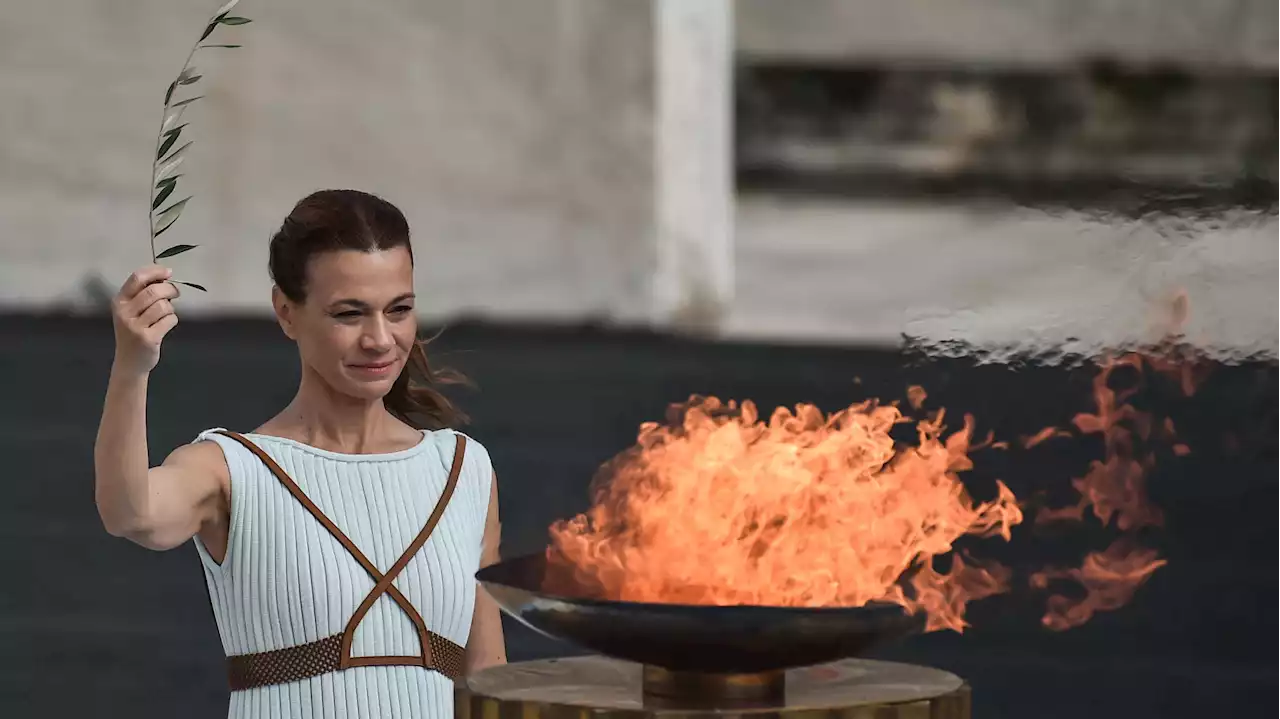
x,y
1231,33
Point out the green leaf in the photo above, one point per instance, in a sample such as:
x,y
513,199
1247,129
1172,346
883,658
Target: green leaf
x,y
233,20
175,250
167,182
186,77
191,284
226,8
169,138
164,194
168,216
171,116
221,46
175,159
185,102
173,156
209,30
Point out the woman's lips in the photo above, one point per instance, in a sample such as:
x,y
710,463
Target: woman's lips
x,y
374,368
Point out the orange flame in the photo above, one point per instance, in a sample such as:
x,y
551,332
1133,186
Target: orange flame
x,y
916,396
802,510
718,507
1043,435
1109,577
1115,487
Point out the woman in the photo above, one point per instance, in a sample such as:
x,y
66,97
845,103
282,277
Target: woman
x,y
340,539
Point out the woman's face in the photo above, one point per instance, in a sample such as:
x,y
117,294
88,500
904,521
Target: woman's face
x,y
357,325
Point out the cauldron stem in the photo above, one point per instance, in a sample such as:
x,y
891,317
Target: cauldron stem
x,y
711,689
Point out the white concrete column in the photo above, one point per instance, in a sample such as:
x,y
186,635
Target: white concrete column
x,y
693,163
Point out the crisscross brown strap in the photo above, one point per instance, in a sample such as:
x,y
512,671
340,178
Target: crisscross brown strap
x,y
334,653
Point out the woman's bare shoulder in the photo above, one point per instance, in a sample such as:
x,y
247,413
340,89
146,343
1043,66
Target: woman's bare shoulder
x,y
203,455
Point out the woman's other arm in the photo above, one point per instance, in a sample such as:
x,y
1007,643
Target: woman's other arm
x,y
486,646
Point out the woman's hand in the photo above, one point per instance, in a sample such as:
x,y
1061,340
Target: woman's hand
x,y
143,314
162,507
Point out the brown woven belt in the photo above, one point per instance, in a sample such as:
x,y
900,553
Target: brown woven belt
x,y
331,654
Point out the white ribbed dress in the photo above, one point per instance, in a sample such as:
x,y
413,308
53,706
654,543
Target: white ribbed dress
x,y
285,581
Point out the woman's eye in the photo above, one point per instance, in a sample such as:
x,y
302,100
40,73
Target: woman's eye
x,y
349,314
401,309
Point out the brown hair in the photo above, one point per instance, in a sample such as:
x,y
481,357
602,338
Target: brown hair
x,y
331,220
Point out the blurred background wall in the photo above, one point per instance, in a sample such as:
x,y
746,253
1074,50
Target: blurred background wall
x,y
522,163
1227,33
575,160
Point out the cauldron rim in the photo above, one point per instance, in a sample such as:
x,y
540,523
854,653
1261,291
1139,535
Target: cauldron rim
x,y
694,637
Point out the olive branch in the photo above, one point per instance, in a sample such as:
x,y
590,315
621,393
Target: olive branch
x,y
165,164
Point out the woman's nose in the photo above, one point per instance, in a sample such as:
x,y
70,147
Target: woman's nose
x,y
378,336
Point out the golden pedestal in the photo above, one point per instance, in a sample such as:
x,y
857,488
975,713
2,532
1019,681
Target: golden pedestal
x,y
603,688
